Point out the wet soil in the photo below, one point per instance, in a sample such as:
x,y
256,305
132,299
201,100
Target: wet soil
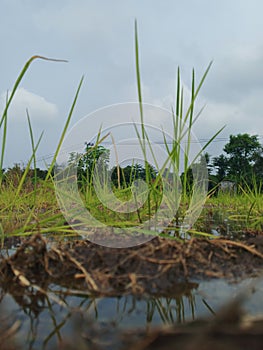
x,y
159,267
155,267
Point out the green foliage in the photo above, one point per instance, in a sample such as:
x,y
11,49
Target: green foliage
x,y
258,168
94,155
12,176
242,161
253,193
242,150
221,165
130,173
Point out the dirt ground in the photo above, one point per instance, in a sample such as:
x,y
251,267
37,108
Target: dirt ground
x,y
158,267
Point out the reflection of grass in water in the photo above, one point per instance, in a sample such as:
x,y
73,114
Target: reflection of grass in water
x,y
170,310
166,310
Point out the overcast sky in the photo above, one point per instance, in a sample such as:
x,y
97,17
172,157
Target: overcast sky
x,y
97,38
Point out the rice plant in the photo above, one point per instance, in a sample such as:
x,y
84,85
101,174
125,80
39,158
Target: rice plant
x,y
182,133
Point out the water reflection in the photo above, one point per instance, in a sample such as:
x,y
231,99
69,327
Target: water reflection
x,y
58,315
46,319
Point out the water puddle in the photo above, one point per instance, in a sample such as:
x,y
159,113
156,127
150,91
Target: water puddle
x,y
47,319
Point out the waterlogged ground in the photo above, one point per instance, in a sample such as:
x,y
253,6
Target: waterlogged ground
x,y
80,295
107,323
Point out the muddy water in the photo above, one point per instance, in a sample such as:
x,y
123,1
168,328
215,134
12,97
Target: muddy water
x,y
61,314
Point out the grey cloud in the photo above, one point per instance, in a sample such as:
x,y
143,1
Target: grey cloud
x,y
235,76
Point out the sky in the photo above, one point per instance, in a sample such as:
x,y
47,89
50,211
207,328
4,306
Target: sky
x,y
97,40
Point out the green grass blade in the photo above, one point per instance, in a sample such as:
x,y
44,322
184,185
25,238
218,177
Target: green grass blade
x,y
178,90
196,93
33,153
9,100
208,143
138,76
3,144
64,131
23,178
20,77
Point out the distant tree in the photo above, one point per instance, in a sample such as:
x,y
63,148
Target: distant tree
x,y
94,155
131,173
242,151
258,168
242,159
13,175
40,173
221,165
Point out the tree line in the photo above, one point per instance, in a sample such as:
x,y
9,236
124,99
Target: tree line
x,y
241,163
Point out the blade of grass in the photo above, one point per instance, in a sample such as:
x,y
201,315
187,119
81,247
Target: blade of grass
x,y
188,143
20,77
3,144
64,131
194,96
138,76
23,178
208,143
10,98
33,153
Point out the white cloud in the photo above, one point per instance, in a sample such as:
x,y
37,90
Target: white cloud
x,y
43,116
40,110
